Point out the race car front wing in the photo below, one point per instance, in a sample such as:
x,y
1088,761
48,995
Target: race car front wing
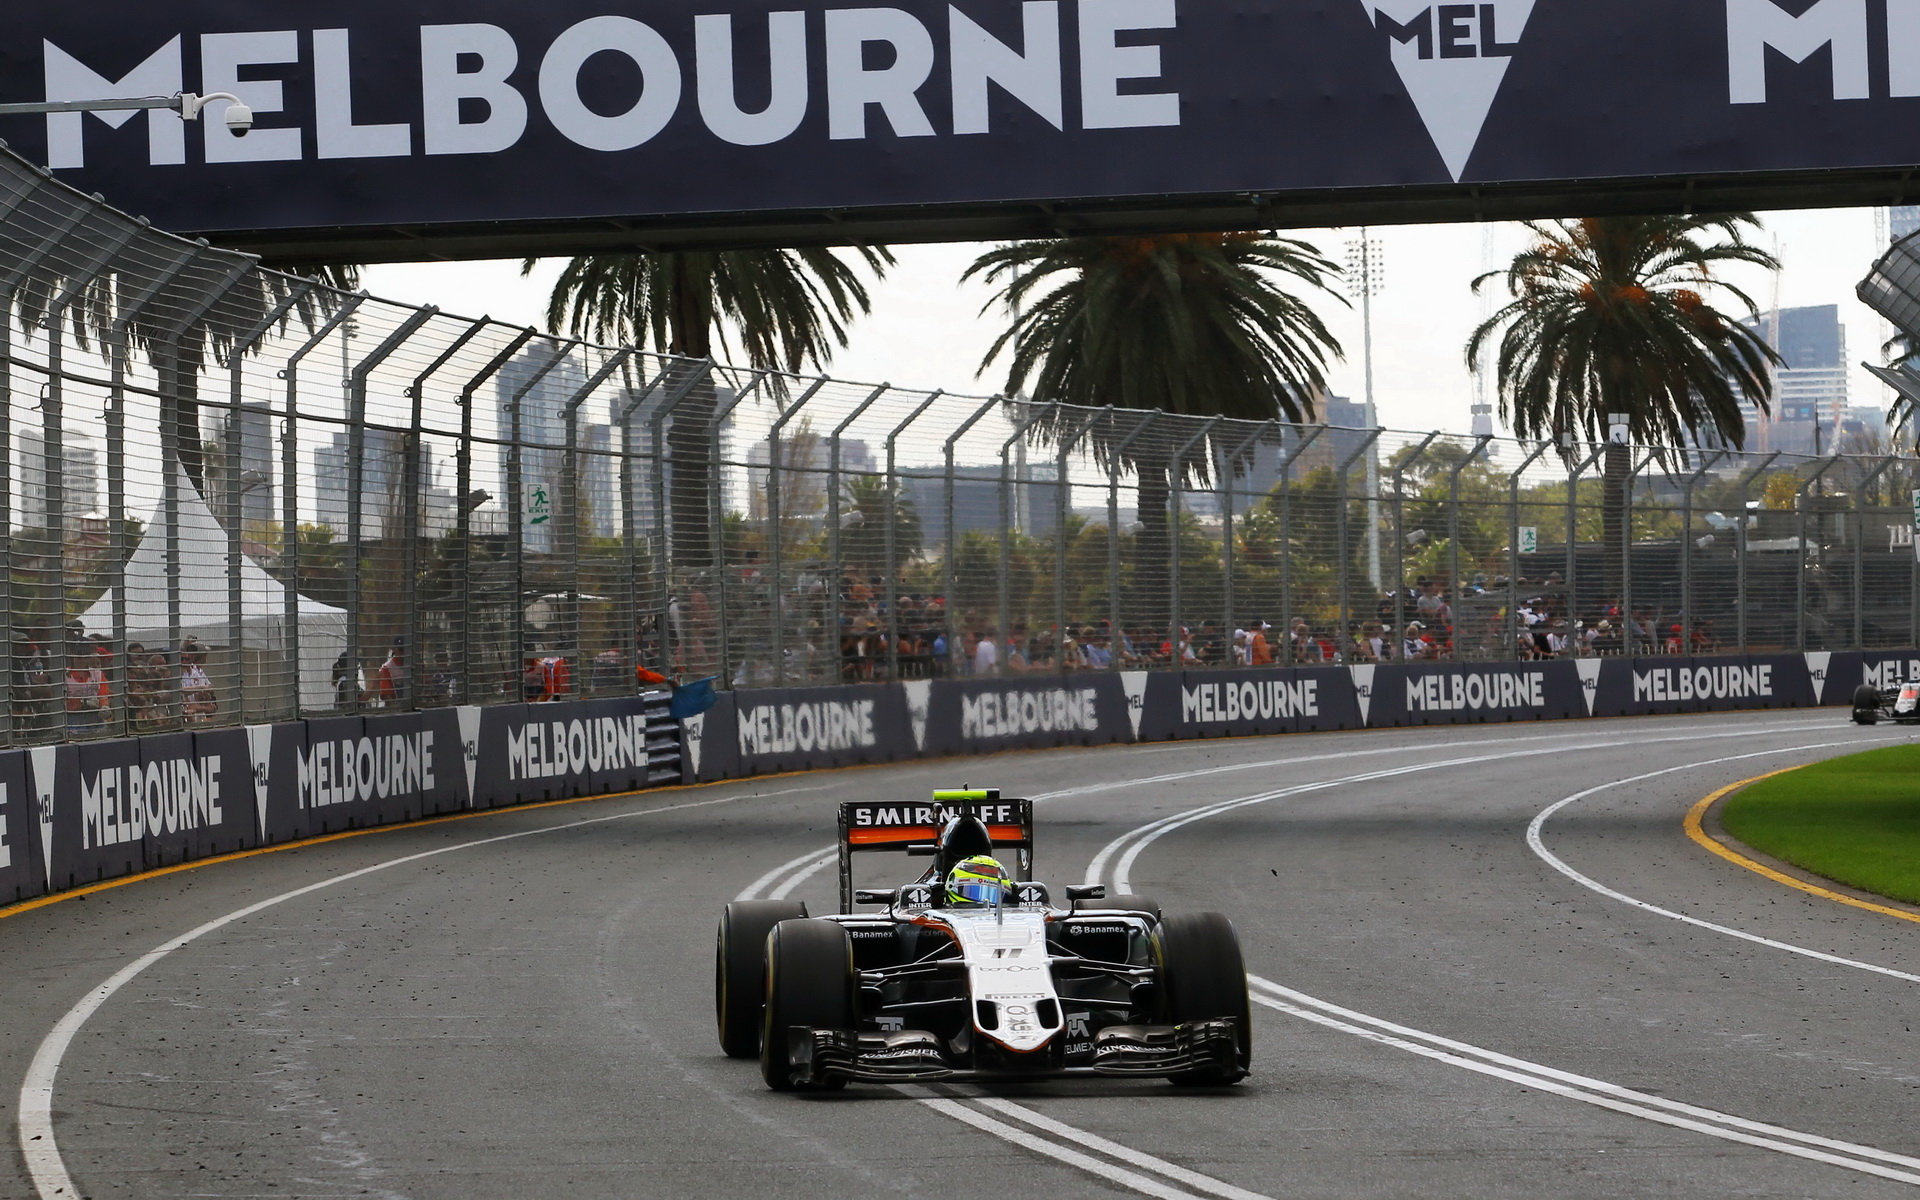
x,y
819,1055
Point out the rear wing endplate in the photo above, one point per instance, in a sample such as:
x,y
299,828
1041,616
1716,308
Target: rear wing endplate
x,y
897,826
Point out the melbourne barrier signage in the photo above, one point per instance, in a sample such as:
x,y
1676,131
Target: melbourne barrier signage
x,y
21,872
783,729
966,716
370,115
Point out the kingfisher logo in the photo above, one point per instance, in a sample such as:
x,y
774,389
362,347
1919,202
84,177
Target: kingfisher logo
x,y
1452,59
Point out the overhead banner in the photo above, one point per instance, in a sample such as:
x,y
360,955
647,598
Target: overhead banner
x,y
368,115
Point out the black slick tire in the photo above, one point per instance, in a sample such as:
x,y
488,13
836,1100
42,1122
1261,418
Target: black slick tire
x,y
1866,705
1204,978
740,970
810,981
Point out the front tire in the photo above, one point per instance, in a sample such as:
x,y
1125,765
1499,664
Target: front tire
x,y
810,980
1205,979
740,970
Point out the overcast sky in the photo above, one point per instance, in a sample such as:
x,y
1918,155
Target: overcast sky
x,y
927,330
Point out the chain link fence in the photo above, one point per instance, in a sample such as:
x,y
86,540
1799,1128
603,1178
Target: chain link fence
x,y
235,496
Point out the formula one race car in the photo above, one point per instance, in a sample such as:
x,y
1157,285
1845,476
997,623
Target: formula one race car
x,y
1899,702
974,973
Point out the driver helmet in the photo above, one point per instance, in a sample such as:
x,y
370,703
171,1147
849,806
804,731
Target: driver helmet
x,y
978,880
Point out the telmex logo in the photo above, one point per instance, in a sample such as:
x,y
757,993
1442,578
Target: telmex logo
x,y
480,85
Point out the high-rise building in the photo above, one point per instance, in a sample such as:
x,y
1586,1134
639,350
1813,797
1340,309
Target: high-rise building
x,y
79,478
383,481
1903,220
1810,388
252,429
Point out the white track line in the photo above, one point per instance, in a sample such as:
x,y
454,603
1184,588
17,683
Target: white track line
x,y
1852,1156
1557,863
37,1140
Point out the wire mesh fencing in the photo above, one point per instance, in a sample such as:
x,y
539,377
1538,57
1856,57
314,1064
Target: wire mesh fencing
x,y
236,496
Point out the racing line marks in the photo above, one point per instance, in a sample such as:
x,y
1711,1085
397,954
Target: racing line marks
x,y
1864,1159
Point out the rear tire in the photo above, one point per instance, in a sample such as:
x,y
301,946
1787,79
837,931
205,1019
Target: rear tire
x,y
1204,979
740,970
809,982
1866,705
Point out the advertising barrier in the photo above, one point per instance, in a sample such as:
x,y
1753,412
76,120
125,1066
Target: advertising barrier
x,y
22,874
790,729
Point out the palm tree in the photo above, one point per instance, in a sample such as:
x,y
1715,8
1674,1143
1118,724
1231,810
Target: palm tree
x,y
1610,315
1191,325
787,308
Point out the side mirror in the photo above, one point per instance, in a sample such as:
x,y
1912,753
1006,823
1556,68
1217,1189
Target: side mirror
x,y
873,895
1086,891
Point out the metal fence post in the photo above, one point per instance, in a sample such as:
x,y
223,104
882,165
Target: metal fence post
x,y
951,581
412,481
1626,549
233,490
1173,540
1509,642
557,353
1228,467
1008,519
570,503
1063,507
717,516
1860,549
1301,443
290,557
697,373
1119,455
172,386
776,527
1573,523
891,596
470,498
356,480
1710,459
1744,530
1400,538
834,564
1800,575
1480,444
1342,565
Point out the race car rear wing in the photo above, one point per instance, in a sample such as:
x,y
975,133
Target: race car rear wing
x,y
908,827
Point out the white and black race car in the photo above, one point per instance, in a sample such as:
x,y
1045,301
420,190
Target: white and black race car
x,y
1899,703
921,989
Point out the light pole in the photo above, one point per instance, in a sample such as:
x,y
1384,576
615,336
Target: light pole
x,y
1366,271
187,104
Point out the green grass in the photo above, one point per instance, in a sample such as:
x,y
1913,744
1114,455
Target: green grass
x,y
1854,819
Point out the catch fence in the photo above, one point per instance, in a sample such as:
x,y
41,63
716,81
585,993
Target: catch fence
x,y
236,496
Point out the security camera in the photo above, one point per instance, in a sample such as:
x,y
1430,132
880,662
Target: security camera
x,y
239,116
239,119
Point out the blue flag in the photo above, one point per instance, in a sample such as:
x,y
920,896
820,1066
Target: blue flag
x,y
692,699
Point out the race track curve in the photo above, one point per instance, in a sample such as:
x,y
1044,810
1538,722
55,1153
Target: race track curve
x,y
1487,963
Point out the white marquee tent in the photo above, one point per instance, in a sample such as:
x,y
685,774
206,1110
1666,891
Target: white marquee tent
x,y
204,600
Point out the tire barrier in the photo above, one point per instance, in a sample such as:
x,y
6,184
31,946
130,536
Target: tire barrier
x,y
763,731
81,813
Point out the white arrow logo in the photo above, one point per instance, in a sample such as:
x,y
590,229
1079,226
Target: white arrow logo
x,y
469,717
1589,669
1363,689
1452,59
919,697
1135,683
1817,661
692,729
260,746
43,759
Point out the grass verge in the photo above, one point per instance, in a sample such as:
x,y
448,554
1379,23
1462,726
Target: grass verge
x,y
1854,819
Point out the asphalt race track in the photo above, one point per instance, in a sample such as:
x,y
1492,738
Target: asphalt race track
x,y
1456,995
